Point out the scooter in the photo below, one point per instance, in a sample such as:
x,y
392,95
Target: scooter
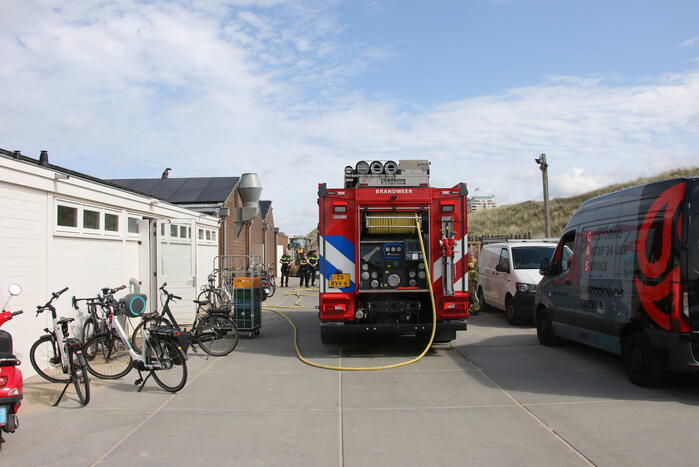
x,y
11,386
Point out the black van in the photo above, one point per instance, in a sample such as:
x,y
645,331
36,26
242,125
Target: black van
x,y
625,278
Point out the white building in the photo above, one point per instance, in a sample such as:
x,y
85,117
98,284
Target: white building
x,y
479,203
60,228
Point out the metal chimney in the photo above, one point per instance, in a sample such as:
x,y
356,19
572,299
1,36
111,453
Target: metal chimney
x,y
250,190
44,159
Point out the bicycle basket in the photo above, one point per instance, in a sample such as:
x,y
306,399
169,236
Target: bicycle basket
x,y
132,305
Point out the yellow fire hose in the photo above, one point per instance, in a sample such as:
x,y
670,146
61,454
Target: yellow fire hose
x,y
297,304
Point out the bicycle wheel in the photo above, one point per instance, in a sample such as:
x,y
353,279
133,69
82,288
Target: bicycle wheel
x,y
46,360
89,329
137,336
216,335
107,357
173,375
213,297
80,380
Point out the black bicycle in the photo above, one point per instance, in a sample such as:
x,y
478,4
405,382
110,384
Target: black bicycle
x,y
58,363
100,310
212,330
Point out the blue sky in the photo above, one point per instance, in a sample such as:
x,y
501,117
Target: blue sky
x,y
296,90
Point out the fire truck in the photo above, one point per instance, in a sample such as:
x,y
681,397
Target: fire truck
x,y
373,278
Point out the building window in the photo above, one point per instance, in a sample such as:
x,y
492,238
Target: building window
x,y
183,231
91,219
208,234
111,222
173,231
201,234
213,235
67,216
133,225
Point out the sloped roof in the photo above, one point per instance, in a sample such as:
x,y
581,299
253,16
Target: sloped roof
x,y
182,190
264,208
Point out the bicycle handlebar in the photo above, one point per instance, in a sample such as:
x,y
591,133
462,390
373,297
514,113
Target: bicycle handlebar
x,y
54,296
18,312
170,295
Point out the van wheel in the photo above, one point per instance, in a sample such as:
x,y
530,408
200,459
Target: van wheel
x,y
481,300
544,330
644,365
511,311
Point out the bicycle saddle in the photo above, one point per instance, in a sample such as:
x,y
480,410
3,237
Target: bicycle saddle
x,y
201,302
65,320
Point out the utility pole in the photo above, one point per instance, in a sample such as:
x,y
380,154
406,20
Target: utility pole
x,y
543,166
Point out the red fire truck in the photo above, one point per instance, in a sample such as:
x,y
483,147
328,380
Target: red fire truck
x,y
373,278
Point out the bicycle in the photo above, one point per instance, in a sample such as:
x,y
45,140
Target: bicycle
x,y
212,294
96,323
110,355
212,330
267,284
67,363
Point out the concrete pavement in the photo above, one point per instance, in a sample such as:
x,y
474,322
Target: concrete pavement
x,y
492,397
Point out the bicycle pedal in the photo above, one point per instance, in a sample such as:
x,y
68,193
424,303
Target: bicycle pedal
x,y
137,382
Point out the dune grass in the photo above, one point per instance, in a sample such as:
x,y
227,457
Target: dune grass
x,y
521,218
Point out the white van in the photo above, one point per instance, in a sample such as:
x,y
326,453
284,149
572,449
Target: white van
x,y
508,274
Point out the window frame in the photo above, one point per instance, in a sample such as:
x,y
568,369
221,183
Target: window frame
x,y
109,212
129,234
78,217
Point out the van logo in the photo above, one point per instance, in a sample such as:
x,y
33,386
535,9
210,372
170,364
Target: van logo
x,y
653,280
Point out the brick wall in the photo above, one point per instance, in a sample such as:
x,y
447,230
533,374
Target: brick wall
x,y
229,244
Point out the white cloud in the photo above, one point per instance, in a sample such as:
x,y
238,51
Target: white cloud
x,y
576,180
126,88
690,41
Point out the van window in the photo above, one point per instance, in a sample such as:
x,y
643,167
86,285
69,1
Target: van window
x,y
529,257
504,262
563,257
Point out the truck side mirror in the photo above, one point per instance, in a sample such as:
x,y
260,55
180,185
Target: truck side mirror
x,y
545,267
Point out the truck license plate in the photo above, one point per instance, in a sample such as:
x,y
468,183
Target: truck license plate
x,y
3,415
339,281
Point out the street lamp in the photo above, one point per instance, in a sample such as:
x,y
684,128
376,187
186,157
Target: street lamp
x,y
543,166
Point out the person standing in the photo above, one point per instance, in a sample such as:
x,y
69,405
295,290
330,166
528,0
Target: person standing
x,y
303,269
312,266
286,266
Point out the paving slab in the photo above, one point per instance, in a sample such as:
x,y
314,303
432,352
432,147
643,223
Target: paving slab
x,y
67,436
628,433
404,389
504,436
239,391
201,438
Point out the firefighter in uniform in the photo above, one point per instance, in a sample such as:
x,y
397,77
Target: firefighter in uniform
x,y
286,265
312,266
303,269
472,285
